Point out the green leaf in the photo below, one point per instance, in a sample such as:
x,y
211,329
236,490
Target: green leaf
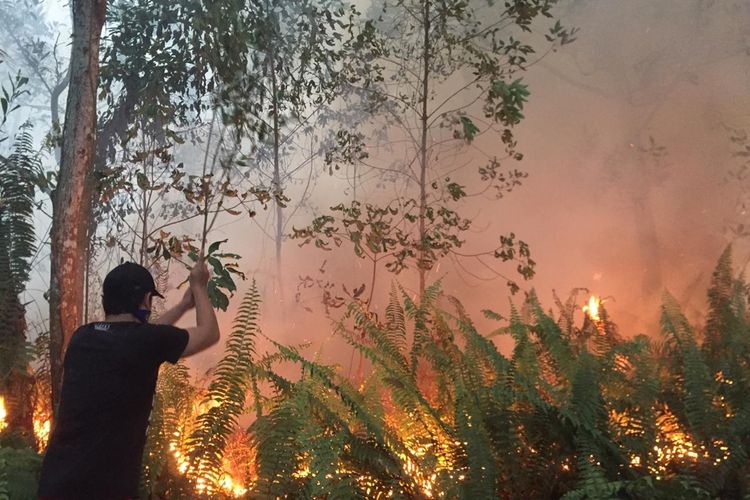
x,y
143,181
218,298
215,246
216,264
225,281
469,129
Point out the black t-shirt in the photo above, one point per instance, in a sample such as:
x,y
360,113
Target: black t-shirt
x,y
110,371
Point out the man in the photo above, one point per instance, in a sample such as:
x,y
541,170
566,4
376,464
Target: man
x,y
110,371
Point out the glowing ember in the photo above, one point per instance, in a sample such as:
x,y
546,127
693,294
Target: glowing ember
x,y
425,481
628,424
592,308
672,446
719,377
3,414
302,472
677,447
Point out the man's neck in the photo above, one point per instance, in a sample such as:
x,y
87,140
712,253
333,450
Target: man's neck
x,y
120,318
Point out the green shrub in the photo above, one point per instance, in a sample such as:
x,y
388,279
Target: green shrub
x,y
19,473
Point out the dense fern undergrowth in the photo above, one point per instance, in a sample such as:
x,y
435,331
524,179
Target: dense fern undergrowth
x,y
577,410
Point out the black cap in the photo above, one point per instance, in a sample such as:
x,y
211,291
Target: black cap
x,y
125,285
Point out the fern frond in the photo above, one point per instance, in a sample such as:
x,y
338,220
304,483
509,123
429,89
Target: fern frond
x,y
226,393
169,423
699,385
396,323
387,338
17,174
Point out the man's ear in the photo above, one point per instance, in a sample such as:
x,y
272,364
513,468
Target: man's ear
x,y
147,300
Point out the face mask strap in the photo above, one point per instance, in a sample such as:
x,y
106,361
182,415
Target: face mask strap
x,y
142,315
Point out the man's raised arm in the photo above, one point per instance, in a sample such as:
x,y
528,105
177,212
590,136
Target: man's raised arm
x,y
206,332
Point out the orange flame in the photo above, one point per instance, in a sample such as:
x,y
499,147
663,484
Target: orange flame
x,y
41,431
231,487
3,414
592,308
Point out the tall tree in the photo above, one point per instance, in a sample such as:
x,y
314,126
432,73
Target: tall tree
x,y
70,199
296,58
441,77
154,79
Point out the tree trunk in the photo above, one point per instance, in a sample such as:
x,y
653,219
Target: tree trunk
x,y
70,200
279,236
648,243
422,266
108,134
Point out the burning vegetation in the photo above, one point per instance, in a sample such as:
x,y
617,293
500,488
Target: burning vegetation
x,y
592,308
3,414
443,414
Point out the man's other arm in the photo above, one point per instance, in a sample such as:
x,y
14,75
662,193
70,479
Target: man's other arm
x,y
173,315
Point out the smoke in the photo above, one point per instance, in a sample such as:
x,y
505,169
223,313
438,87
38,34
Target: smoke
x,y
626,142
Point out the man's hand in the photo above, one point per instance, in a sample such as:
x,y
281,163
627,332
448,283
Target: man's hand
x,y
206,331
199,275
